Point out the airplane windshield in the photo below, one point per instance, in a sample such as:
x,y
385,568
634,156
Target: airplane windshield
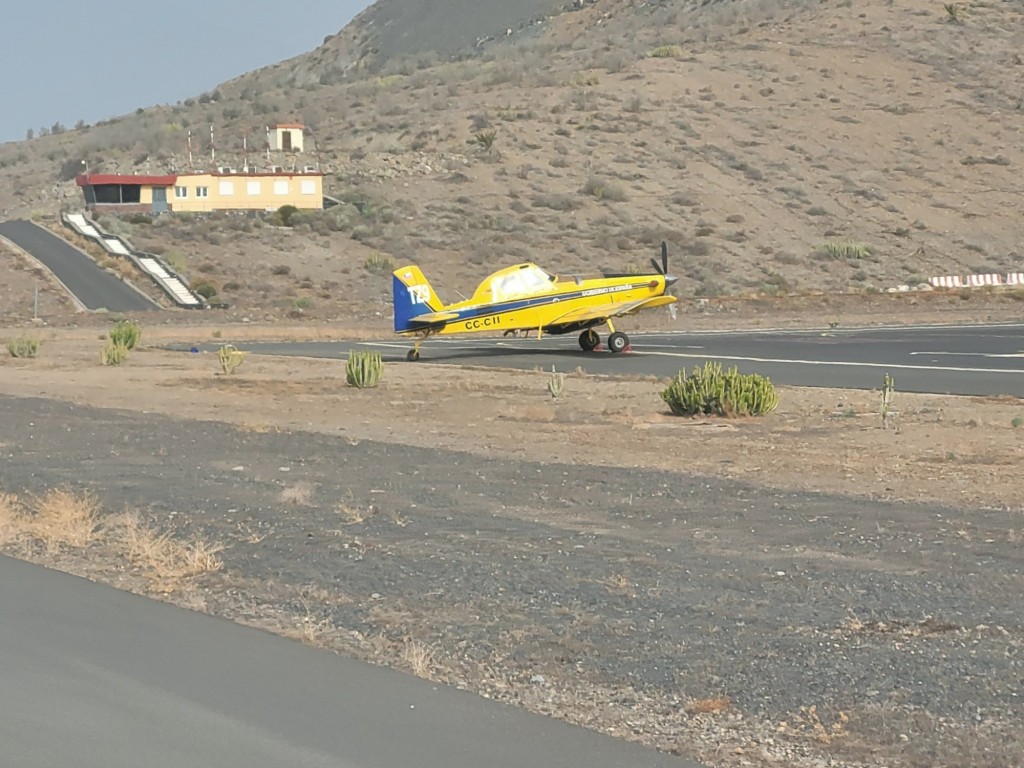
x,y
522,282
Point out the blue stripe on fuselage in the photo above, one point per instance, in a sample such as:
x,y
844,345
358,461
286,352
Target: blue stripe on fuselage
x,y
485,310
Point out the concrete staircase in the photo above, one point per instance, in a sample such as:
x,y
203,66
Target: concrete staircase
x,y
167,279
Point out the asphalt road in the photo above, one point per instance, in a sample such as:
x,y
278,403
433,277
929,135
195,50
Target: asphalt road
x,y
93,676
93,286
962,360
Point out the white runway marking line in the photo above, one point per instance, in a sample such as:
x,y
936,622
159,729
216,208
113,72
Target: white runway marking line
x,y
851,330
841,363
971,354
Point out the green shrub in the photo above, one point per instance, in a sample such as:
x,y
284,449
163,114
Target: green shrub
x,y
204,288
378,264
603,189
126,333
113,354
363,369
665,52
710,390
845,250
285,215
23,346
484,139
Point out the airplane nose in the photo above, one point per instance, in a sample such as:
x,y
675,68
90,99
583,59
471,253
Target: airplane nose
x,y
669,279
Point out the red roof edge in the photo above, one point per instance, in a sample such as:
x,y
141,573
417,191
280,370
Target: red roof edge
x,y
125,179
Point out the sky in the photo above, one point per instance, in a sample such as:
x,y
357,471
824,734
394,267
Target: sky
x,y
67,61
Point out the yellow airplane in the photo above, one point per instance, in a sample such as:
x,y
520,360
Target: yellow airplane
x,y
524,297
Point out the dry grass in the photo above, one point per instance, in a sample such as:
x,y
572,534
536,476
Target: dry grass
x,y
10,516
165,560
60,520
713,705
297,495
418,658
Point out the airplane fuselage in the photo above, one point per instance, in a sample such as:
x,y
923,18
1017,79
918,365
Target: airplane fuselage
x,y
545,309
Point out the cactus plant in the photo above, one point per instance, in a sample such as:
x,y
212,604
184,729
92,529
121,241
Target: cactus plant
x,y
710,390
113,353
230,358
23,346
888,387
363,369
556,383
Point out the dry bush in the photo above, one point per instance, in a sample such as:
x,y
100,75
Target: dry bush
x,y
709,706
163,558
298,495
418,657
61,517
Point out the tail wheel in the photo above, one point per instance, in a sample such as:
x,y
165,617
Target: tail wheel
x,y
589,340
412,355
618,341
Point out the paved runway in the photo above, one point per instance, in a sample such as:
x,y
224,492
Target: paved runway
x,y
98,678
93,286
964,360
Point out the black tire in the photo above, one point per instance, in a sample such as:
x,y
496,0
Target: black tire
x,y
412,355
589,340
617,342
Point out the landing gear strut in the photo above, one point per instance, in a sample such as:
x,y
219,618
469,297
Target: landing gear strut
x,y
617,341
414,354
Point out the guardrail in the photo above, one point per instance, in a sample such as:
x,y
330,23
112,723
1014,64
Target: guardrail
x,y
173,284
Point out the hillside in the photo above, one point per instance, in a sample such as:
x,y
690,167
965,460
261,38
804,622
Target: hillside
x,y
778,145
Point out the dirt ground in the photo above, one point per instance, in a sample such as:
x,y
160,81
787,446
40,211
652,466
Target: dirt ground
x,y
948,450
805,589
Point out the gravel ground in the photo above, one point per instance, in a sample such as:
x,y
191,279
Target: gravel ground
x,y
715,620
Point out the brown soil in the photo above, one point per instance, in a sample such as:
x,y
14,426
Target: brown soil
x,y
955,450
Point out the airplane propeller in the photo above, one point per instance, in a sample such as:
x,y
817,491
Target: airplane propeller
x,y
662,268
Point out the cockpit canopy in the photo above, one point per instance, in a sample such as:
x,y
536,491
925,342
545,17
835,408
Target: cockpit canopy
x,y
513,283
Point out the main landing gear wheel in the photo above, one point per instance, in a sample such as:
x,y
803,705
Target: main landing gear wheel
x,y
412,355
618,341
589,340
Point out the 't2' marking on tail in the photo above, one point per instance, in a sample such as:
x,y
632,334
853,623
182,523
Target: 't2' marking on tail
x,y
420,294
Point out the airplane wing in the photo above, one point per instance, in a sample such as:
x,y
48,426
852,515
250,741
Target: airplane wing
x,y
433,318
611,309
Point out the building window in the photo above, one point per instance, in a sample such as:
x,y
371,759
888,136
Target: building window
x,y
308,187
226,189
280,187
252,187
181,192
202,191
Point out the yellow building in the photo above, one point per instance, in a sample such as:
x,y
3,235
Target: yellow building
x,y
224,190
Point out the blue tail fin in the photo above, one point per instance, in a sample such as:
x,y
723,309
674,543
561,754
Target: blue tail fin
x,y
411,296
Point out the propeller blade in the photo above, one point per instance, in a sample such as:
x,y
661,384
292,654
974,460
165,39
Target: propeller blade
x,y
664,257
657,266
